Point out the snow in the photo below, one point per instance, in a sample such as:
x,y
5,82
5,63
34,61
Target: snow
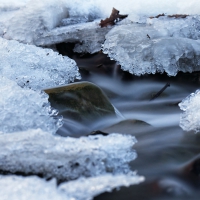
x,y
159,46
23,109
13,187
35,67
190,118
38,152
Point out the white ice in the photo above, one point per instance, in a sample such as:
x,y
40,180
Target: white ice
x,y
23,109
33,18
32,188
87,188
38,152
156,46
35,67
190,118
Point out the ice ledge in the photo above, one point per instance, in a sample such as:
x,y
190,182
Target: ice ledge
x,y
32,188
38,152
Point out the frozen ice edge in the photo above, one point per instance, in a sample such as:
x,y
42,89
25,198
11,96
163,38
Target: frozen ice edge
x,y
172,46
38,152
32,188
34,67
190,118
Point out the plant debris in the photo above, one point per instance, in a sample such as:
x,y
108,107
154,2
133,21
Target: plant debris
x,y
160,92
114,17
178,16
171,16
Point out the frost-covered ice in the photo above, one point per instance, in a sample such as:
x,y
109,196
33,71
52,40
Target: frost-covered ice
x,y
31,20
83,188
32,188
190,118
88,36
23,109
146,48
34,67
37,152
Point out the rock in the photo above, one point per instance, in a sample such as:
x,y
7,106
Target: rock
x,y
81,101
133,127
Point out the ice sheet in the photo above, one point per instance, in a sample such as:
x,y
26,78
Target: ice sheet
x,y
38,152
35,67
146,48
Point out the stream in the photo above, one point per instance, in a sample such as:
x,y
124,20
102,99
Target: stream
x,y
168,157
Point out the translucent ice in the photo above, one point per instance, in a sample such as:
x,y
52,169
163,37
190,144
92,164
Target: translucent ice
x,y
88,36
32,188
190,118
34,67
22,109
143,48
37,152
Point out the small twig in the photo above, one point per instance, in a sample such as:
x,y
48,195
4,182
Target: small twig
x,y
160,92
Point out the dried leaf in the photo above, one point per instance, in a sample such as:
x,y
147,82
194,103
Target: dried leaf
x,y
160,15
114,17
175,16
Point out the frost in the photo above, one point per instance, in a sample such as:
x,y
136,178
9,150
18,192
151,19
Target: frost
x,y
34,67
190,118
37,152
22,109
144,48
88,36
13,187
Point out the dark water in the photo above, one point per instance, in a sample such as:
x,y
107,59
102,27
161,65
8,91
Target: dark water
x,y
168,157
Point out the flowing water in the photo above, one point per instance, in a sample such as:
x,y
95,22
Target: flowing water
x,y
168,157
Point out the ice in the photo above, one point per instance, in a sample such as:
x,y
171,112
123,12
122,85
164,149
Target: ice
x,y
190,118
38,152
32,188
83,188
23,109
35,67
188,27
146,48
33,19
88,36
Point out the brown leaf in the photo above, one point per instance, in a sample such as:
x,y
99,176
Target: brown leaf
x,y
114,17
160,15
